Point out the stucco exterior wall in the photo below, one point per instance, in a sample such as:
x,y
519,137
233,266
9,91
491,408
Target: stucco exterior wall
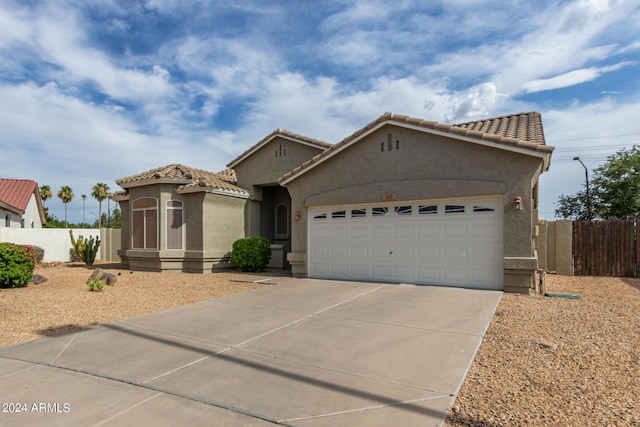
x,y
424,166
265,167
211,223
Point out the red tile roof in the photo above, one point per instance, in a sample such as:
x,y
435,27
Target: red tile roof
x,y
16,193
523,130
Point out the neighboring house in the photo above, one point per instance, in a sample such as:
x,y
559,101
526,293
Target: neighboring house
x,y
20,204
402,200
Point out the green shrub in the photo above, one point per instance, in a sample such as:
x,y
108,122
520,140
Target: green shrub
x,y
95,285
16,265
251,254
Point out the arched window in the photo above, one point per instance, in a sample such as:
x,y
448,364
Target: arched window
x,y
174,224
144,224
282,222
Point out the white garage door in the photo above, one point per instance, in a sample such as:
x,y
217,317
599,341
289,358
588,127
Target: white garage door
x,y
452,243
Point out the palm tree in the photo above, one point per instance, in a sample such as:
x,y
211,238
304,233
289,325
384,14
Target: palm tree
x,y
66,194
45,193
84,197
100,191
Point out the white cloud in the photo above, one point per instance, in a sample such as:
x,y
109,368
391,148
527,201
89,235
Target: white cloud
x,y
571,78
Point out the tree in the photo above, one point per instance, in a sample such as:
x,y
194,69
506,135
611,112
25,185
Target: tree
x,y
45,193
84,197
100,191
615,190
66,195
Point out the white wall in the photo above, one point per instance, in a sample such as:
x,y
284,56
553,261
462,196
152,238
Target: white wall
x,y
55,241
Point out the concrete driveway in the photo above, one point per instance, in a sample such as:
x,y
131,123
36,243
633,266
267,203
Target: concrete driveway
x,y
302,353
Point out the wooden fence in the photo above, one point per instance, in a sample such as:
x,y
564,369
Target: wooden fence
x,y
605,248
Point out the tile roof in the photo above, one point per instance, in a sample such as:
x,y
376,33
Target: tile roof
x,y
523,130
283,133
16,193
188,179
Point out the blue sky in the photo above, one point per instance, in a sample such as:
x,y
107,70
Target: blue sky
x,y
95,91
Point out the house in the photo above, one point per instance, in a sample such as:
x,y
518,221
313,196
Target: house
x,y
20,204
402,200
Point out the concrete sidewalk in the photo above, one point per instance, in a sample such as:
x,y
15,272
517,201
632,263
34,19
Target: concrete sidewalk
x,y
301,353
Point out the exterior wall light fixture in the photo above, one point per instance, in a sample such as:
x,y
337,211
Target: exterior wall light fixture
x,y
517,203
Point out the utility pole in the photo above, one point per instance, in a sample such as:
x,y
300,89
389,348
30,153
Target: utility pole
x,y
586,177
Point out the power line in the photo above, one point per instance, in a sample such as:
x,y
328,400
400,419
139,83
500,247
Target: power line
x,y
597,137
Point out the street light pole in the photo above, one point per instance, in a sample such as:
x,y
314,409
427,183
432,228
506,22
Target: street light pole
x,y
586,177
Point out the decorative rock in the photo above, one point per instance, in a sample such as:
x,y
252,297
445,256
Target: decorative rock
x,y
99,274
548,344
37,279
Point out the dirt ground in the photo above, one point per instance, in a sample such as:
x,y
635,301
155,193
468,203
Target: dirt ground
x,y
556,361
544,361
63,304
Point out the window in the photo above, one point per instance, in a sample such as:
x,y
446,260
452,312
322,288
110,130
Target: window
x,y
282,221
22,223
403,210
339,214
7,221
427,209
454,209
358,213
481,208
379,211
321,216
174,224
144,223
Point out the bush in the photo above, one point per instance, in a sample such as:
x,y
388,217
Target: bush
x,y
16,265
251,254
95,285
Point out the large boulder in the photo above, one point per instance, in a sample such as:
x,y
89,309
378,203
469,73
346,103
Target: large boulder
x,y
107,278
38,278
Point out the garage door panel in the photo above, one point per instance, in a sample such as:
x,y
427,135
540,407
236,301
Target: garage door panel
x,y
455,230
359,251
403,253
381,271
410,243
380,231
404,231
426,231
320,232
339,269
339,251
359,232
339,232
403,273
360,270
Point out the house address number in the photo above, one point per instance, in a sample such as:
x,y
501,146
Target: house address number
x,y
389,197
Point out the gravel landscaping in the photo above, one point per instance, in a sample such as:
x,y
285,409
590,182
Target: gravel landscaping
x,y
558,362
544,361
62,303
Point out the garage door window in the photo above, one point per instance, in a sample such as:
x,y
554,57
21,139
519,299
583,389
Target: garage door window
x,y
427,209
379,211
403,210
339,214
358,213
483,208
320,216
448,209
